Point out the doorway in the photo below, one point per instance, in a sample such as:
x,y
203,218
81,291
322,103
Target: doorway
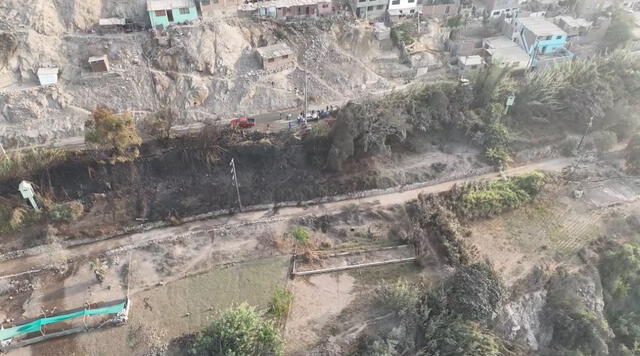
x,y
170,15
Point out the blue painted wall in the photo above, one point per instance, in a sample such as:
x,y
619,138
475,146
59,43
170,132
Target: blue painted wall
x,y
177,17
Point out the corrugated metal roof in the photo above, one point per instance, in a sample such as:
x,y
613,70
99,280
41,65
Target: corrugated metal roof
x,y
470,60
156,5
112,21
540,26
499,42
279,4
277,50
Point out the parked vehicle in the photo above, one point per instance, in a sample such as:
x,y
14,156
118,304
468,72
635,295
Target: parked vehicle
x,y
243,122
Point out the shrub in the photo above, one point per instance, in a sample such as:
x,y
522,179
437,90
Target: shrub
x,y
239,331
65,212
399,296
115,133
464,338
301,235
281,303
501,195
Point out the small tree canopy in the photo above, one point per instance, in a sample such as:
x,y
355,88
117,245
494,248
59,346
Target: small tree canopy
x,y
240,331
116,133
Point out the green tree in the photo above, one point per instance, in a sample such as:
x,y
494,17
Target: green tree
x,y
160,123
240,331
633,154
115,133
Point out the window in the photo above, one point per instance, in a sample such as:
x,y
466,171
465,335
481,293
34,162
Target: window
x,y
395,2
161,13
285,56
205,2
362,0
370,8
495,13
324,6
411,1
380,7
184,11
271,60
558,37
412,11
549,38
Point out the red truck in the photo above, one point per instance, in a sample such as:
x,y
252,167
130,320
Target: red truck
x,y
243,122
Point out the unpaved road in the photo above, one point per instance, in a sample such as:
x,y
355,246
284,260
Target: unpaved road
x,y
131,241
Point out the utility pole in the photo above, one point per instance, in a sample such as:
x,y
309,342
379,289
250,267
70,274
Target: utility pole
x,y
304,60
586,132
419,20
235,181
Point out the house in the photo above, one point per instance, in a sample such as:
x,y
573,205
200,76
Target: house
x,y
288,8
48,76
469,64
163,13
369,9
440,8
210,8
496,8
99,64
399,8
503,51
573,26
538,35
275,57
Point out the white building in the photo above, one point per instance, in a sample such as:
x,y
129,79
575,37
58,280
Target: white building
x,y
403,7
469,64
48,76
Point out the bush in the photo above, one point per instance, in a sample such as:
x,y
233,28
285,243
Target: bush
x,y
462,338
115,133
281,303
65,212
501,195
25,163
604,140
399,296
239,331
301,235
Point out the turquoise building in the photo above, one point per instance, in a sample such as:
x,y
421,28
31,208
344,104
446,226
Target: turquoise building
x,y
538,36
164,13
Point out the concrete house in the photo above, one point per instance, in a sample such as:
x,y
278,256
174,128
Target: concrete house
x,y
211,8
573,26
275,57
163,13
370,9
496,8
282,9
469,64
539,35
399,8
440,8
503,51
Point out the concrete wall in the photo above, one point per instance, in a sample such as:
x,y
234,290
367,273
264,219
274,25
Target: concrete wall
x,y
402,7
216,7
440,10
371,9
178,18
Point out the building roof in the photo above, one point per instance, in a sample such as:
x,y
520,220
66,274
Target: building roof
x,y
47,71
278,4
98,58
499,42
275,51
573,22
112,21
509,54
540,26
156,5
470,60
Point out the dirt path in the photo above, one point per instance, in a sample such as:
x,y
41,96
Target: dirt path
x,y
34,262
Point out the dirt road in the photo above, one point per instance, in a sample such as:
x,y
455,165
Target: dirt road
x,y
196,228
